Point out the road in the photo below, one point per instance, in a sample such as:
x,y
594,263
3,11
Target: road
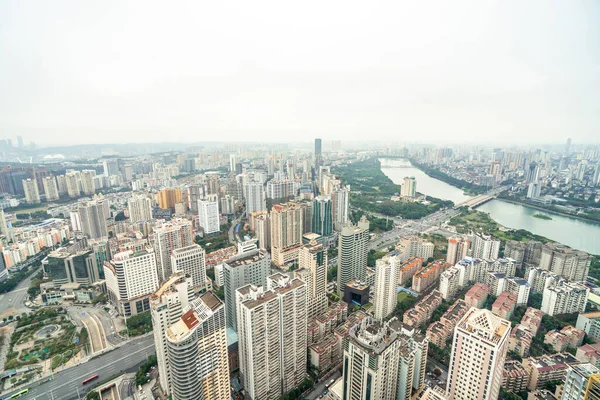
x,y
127,358
407,227
320,388
16,297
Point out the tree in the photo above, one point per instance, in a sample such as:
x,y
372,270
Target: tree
x,y
93,395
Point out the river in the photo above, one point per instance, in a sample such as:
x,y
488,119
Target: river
x,y
579,234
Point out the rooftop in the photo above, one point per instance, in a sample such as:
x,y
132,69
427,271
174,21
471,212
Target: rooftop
x,y
245,258
485,324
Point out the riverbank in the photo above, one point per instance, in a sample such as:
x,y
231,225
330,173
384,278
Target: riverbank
x,y
479,221
468,187
372,191
551,211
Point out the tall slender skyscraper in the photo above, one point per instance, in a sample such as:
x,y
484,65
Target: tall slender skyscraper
x,y
286,232
272,336
167,306
318,155
383,360
255,198
339,205
352,253
385,286
479,349
197,351
312,264
322,222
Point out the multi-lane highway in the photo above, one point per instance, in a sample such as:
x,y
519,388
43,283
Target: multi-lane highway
x,y
66,383
408,227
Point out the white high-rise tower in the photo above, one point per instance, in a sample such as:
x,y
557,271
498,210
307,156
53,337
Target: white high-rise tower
x,y
479,349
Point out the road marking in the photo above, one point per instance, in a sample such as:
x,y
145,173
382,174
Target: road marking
x,y
107,365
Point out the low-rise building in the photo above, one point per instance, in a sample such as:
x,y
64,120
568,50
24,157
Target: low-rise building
x,y
568,336
356,292
589,353
422,311
520,340
504,305
514,377
547,368
532,319
440,331
541,394
477,295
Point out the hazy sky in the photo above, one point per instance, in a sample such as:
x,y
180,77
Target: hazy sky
x,y
419,71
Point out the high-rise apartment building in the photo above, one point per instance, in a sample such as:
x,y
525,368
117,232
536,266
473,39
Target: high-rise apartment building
x,y
208,213
166,306
87,181
565,262
250,268
169,236
458,249
385,286
312,269
111,166
272,336
232,162
322,220
73,183
167,198
286,221
32,192
61,182
564,297
140,208
280,189
197,351
93,219
383,360
255,198
130,280
485,246
352,253
409,187
50,188
339,204
190,261
262,231
479,349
